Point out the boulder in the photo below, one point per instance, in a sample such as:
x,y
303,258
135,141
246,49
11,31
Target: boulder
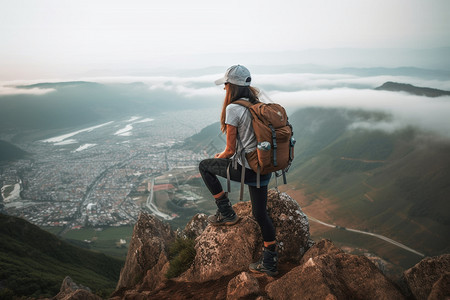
x,y
291,225
242,286
441,288
72,291
150,240
326,272
224,250
429,274
195,226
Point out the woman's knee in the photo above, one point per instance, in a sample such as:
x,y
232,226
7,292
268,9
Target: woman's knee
x,y
203,165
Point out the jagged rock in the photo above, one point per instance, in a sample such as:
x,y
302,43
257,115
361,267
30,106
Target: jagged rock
x,y
241,286
151,237
326,272
423,276
72,291
155,277
195,226
441,289
225,250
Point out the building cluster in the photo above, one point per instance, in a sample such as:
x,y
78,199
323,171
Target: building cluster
x,y
95,186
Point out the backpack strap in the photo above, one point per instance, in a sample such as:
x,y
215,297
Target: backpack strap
x,y
241,194
228,178
242,102
274,143
258,177
242,156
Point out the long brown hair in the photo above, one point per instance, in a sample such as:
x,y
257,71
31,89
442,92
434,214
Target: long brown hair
x,y
236,92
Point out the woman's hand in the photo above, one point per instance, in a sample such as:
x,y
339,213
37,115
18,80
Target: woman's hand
x,y
231,143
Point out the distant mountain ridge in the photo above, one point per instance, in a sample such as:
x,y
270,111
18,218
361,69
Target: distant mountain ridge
x,y
74,104
48,85
411,89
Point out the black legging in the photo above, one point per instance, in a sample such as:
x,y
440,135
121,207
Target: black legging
x,y
213,167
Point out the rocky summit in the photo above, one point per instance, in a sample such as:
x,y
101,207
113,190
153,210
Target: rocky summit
x,y
223,250
219,268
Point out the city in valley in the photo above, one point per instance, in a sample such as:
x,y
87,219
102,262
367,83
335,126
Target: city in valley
x,y
105,174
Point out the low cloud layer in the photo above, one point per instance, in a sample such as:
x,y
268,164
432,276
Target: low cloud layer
x,y
298,90
11,90
426,113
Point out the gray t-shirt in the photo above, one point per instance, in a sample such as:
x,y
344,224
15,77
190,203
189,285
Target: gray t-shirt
x,y
239,116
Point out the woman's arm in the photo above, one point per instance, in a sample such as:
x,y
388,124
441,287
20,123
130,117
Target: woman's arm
x,y
231,143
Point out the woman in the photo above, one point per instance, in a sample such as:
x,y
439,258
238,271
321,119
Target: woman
x,y
237,124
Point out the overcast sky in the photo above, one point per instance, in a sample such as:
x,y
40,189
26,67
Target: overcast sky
x,y
57,38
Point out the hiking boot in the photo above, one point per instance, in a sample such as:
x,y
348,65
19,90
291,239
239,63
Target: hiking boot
x,y
267,264
225,214
218,219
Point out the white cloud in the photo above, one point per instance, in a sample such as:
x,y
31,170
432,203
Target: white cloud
x,y
427,113
311,81
297,90
11,90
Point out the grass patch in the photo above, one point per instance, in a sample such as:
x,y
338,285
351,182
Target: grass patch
x,y
104,240
181,256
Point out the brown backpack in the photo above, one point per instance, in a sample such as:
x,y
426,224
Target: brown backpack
x,y
274,134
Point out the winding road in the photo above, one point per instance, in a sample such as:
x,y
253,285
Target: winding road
x,y
368,233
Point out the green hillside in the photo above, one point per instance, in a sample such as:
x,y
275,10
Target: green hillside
x,y
34,262
395,184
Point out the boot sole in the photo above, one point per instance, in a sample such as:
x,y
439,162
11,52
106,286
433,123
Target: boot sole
x,y
228,223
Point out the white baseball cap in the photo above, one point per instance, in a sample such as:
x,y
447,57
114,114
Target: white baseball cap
x,y
237,74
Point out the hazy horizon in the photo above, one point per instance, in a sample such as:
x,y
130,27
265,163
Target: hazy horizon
x,y
66,39
297,51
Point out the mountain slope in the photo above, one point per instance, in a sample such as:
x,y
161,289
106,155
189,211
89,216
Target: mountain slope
x,y
34,262
395,183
